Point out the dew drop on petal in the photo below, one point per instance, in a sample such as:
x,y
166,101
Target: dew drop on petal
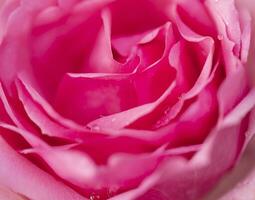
x,y
220,37
94,197
167,110
93,127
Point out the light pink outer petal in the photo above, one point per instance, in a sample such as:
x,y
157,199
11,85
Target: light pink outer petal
x,y
250,5
192,180
149,183
87,175
244,190
21,176
226,19
239,184
245,20
182,180
7,194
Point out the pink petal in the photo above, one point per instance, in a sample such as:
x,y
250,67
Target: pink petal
x,y
239,182
121,15
232,90
193,179
125,118
245,20
21,176
101,59
36,101
7,194
223,13
116,88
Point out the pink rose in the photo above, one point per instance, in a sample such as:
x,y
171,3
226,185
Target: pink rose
x,y
121,99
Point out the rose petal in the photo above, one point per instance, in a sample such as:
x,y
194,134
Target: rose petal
x,y
116,90
7,194
193,180
232,90
125,118
121,15
228,32
21,176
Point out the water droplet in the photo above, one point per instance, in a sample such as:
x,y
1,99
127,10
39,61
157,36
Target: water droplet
x,y
220,37
93,127
247,134
167,111
78,140
161,122
181,97
111,191
94,197
131,81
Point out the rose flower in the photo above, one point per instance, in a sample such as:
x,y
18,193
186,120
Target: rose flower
x,y
122,99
